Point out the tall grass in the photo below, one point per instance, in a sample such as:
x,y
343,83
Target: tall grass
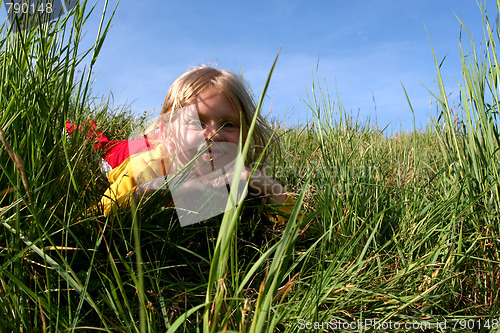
x,y
43,182
401,228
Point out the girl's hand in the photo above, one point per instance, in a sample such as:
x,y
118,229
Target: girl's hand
x,y
260,184
148,188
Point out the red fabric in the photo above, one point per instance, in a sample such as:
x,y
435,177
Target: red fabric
x,y
100,138
113,152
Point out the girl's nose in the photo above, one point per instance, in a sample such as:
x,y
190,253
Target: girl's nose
x,y
212,133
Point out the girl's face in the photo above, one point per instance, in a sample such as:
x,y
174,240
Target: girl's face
x,y
210,128
218,119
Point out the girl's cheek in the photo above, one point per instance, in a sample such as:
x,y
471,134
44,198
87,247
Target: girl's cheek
x,y
196,139
234,138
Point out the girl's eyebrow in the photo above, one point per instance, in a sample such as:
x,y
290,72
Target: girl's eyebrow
x,y
232,120
224,119
230,117
234,116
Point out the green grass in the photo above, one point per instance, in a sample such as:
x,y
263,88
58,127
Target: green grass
x,y
402,228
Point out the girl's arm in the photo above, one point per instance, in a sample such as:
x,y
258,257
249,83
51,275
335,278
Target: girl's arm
x,y
261,184
123,183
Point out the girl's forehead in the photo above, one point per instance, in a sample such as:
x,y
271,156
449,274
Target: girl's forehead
x,y
211,95
214,102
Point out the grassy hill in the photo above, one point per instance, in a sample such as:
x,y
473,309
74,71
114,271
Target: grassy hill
x,y
387,230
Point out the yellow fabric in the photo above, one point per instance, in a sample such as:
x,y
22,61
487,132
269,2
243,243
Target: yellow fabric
x,y
147,166
287,208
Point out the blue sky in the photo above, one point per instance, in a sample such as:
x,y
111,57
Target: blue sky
x,y
364,49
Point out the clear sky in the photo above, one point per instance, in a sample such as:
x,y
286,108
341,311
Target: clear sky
x,y
364,49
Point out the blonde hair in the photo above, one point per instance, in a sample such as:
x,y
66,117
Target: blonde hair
x,y
187,87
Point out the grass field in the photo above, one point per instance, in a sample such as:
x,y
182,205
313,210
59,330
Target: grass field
x,y
399,230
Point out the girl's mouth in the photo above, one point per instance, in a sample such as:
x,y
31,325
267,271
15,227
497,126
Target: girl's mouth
x,y
214,152
216,156
211,155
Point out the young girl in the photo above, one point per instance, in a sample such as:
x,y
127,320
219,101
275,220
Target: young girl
x,y
204,115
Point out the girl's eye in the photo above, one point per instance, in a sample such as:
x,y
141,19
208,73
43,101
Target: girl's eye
x,y
229,125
